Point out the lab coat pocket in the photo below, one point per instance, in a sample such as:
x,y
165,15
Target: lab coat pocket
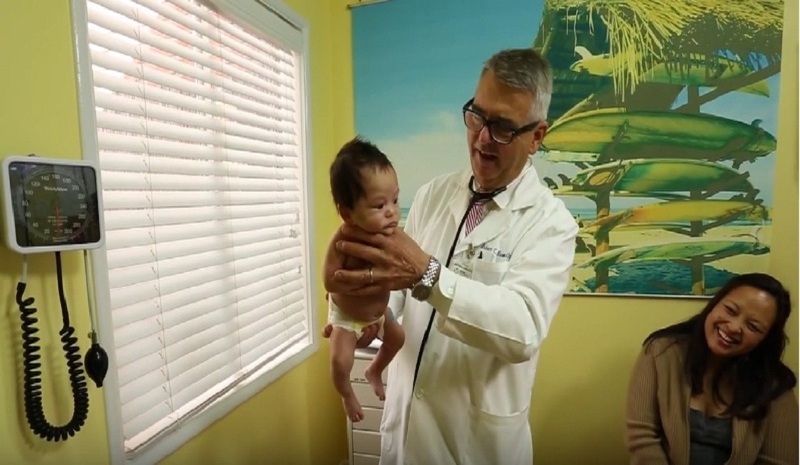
x,y
488,272
499,438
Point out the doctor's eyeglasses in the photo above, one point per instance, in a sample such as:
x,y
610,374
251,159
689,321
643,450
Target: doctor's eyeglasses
x,y
501,131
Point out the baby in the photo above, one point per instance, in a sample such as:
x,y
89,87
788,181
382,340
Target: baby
x,y
365,191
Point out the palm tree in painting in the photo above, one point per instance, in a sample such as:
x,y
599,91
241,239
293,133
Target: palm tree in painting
x,y
619,67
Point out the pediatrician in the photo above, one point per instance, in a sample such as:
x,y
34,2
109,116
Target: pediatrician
x,y
479,272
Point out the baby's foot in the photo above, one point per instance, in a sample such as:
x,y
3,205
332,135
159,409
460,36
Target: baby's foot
x,y
374,378
353,408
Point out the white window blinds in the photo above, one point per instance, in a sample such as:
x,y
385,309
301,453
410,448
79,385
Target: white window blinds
x,y
201,153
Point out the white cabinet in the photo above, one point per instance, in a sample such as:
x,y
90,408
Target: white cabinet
x,y
365,435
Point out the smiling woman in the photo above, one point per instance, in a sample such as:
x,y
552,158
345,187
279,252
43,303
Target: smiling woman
x,y
723,368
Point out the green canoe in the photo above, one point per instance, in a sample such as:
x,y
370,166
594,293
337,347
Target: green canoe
x,y
706,249
644,176
679,212
616,133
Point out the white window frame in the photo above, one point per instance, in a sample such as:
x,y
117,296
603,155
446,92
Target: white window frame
x,y
248,14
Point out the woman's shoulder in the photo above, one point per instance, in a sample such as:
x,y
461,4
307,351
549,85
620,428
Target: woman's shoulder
x,y
787,398
784,394
783,409
666,347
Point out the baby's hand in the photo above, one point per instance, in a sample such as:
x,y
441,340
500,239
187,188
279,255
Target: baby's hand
x,y
327,330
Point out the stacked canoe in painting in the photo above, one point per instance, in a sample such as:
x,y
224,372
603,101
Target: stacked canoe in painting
x,y
635,121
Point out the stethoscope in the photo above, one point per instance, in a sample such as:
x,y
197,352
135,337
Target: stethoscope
x,y
477,196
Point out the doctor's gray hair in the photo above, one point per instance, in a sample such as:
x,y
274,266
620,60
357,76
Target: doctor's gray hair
x,y
526,69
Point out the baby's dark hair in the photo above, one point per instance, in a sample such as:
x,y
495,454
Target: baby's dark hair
x,y
346,182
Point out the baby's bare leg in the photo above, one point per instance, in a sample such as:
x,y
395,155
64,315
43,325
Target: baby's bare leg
x,y
393,340
343,345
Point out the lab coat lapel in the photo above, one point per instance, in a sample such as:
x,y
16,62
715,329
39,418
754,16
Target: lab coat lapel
x,y
458,207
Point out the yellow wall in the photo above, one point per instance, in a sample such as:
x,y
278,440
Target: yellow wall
x,y
39,114
580,388
298,419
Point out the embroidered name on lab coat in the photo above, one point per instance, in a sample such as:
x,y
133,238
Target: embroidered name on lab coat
x,y
492,254
463,263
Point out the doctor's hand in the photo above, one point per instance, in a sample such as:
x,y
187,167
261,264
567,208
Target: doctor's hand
x,y
397,261
369,333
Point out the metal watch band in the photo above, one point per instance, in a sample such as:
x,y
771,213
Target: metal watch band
x,y
429,277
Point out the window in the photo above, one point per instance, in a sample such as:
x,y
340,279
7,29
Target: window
x,y
198,120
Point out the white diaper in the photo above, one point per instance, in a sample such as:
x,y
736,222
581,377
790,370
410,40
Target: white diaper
x,y
339,320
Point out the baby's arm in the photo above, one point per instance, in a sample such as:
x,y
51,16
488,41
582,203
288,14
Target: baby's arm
x,y
334,260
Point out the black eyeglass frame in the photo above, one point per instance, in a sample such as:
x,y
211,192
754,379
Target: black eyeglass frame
x,y
490,124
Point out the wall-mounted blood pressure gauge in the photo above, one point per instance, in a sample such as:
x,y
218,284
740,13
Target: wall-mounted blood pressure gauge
x,y
51,204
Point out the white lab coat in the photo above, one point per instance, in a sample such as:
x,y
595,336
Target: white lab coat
x,y
472,396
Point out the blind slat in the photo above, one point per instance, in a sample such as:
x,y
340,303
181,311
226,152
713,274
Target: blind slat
x,y
117,142
267,166
153,52
198,198
203,169
201,34
252,352
166,231
125,112
178,277
114,74
155,129
250,334
167,181
210,26
201,369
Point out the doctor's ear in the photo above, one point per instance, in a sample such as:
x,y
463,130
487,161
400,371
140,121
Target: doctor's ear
x,y
538,137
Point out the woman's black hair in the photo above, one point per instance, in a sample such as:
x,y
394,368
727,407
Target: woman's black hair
x,y
759,376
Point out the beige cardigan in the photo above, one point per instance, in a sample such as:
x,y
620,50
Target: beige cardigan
x,y
657,416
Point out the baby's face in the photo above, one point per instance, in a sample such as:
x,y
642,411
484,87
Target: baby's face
x,y
377,211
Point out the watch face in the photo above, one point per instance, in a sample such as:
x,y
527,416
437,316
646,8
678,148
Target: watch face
x,y
53,204
421,292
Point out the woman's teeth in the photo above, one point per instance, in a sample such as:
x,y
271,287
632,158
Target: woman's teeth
x,y
725,338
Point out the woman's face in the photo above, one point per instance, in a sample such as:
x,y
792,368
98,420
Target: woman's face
x,y
740,321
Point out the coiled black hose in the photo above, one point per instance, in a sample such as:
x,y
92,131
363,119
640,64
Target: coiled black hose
x,y
34,410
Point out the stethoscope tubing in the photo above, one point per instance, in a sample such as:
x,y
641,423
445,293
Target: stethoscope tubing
x,y
477,196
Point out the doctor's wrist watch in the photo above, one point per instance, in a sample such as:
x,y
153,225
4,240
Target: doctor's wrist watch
x,y
422,289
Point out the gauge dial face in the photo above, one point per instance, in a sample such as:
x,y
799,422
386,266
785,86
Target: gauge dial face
x,y
54,204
